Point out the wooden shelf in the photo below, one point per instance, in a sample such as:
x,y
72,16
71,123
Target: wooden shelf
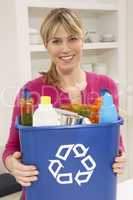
x,y
87,46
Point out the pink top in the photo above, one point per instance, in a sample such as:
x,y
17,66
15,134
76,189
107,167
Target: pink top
x,y
38,88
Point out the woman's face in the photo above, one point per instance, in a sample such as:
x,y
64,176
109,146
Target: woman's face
x,y
65,50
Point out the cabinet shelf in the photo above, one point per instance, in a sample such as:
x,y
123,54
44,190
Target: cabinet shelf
x,y
78,5
87,46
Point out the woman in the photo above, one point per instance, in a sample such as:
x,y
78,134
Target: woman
x,y
65,82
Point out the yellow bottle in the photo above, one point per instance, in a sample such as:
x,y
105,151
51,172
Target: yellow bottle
x,y
45,114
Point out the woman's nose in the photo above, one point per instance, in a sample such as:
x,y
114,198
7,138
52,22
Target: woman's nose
x,y
65,47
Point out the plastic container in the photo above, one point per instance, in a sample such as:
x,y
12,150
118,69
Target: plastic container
x,y
74,162
107,112
26,108
45,114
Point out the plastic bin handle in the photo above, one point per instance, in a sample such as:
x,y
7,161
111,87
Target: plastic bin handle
x,y
121,120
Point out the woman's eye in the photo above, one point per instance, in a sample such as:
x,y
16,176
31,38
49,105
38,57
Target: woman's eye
x,y
56,41
73,39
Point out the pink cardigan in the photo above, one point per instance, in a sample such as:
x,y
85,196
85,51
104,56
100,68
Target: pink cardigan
x,y
37,87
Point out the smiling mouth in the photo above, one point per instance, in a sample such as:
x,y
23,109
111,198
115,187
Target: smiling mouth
x,y
66,58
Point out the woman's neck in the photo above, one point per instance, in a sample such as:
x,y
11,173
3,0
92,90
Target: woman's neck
x,y
76,80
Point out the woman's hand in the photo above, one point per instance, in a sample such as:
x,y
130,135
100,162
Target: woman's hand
x,y
119,164
24,174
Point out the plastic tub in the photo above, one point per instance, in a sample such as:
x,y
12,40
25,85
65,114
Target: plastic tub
x,y
74,162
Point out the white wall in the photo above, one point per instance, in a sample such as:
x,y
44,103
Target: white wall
x,y
130,83
9,71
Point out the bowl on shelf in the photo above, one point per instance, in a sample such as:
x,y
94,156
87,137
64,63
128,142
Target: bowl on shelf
x,y
107,38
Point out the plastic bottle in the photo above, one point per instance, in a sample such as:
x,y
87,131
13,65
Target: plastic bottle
x,y
45,114
26,108
107,112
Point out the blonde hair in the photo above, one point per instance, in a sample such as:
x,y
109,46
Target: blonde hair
x,y
72,24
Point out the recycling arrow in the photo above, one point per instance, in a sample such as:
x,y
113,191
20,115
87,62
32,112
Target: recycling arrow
x,y
92,162
62,176
68,148
78,177
80,150
52,164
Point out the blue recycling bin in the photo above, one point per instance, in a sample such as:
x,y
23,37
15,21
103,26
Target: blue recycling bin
x,y
74,162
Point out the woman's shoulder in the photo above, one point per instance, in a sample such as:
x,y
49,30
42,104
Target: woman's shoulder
x,y
99,83
39,87
94,75
35,81
100,80
35,84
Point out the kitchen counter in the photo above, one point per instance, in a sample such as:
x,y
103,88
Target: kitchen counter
x,y
125,190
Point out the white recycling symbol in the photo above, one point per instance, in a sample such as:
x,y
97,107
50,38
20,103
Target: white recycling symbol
x,y
80,151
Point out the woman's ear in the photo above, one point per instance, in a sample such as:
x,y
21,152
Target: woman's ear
x,y
45,44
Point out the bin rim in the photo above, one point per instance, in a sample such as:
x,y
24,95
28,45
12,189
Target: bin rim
x,y
120,121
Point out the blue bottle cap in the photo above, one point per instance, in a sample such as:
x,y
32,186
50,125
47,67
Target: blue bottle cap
x,y
107,99
26,94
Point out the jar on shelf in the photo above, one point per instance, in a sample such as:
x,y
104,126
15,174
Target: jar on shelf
x,y
93,36
87,39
